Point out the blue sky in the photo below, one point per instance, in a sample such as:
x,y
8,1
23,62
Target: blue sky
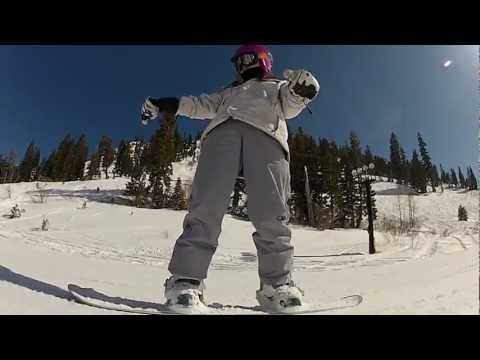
x,y
48,91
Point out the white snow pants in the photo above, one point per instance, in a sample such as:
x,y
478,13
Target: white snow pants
x,y
228,149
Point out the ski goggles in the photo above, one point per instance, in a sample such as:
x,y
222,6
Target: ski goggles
x,y
246,60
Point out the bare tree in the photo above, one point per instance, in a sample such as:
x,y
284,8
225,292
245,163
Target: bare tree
x,y
402,224
400,214
412,220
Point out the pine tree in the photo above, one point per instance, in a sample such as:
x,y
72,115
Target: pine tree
x,y
368,156
454,179
107,153
41,168
13,173
462,213
357,194
239,193
63,163
117,171
473,185
461,178
349,203
178,197
178,144
48,166
123,164
69,166
137,185
417,174
360,196
334,181
474,180
325,190
161,155
94,166
29,166
395,158
344,204
381,166
80,156
435,177
355,152
443,176
403,166
297,165
426,161
36,163
190,146
10,173
407,171
448,180
3,168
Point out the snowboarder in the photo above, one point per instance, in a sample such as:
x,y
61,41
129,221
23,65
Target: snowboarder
x,y
84,205
246,136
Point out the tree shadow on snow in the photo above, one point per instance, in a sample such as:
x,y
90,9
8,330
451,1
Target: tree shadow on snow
x,y
35,285
399,190
116,197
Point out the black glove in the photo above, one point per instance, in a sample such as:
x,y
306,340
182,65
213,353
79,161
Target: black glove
x,y
169,105
302,83
152,107
304,90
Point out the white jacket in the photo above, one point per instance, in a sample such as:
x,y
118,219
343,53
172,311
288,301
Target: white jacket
x,y
264,104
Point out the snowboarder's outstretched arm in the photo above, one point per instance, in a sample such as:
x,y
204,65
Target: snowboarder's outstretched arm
x,y
195,107
302,87
200,107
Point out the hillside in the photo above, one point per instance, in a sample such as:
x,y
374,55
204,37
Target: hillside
x,y
124,251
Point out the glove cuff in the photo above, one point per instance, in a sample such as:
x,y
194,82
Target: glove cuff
x,y
169,105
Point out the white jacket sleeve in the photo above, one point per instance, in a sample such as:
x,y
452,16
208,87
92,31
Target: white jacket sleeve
x,y
302,87
200,107
292,104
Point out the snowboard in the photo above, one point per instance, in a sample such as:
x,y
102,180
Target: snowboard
x,y
91,297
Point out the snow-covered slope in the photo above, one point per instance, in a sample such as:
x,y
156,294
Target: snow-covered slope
x,y
124,251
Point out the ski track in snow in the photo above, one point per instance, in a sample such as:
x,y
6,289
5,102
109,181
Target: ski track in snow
x,y
109,232
83,244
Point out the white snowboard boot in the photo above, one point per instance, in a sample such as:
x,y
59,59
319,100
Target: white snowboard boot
x,y
280,298
184,292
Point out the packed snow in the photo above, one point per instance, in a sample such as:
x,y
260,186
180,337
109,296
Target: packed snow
x,y
124,251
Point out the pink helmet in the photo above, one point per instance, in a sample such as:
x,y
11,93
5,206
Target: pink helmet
x,y
262,53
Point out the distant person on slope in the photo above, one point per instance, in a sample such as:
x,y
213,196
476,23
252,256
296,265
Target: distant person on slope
x,y
247,134
15,212
45,224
